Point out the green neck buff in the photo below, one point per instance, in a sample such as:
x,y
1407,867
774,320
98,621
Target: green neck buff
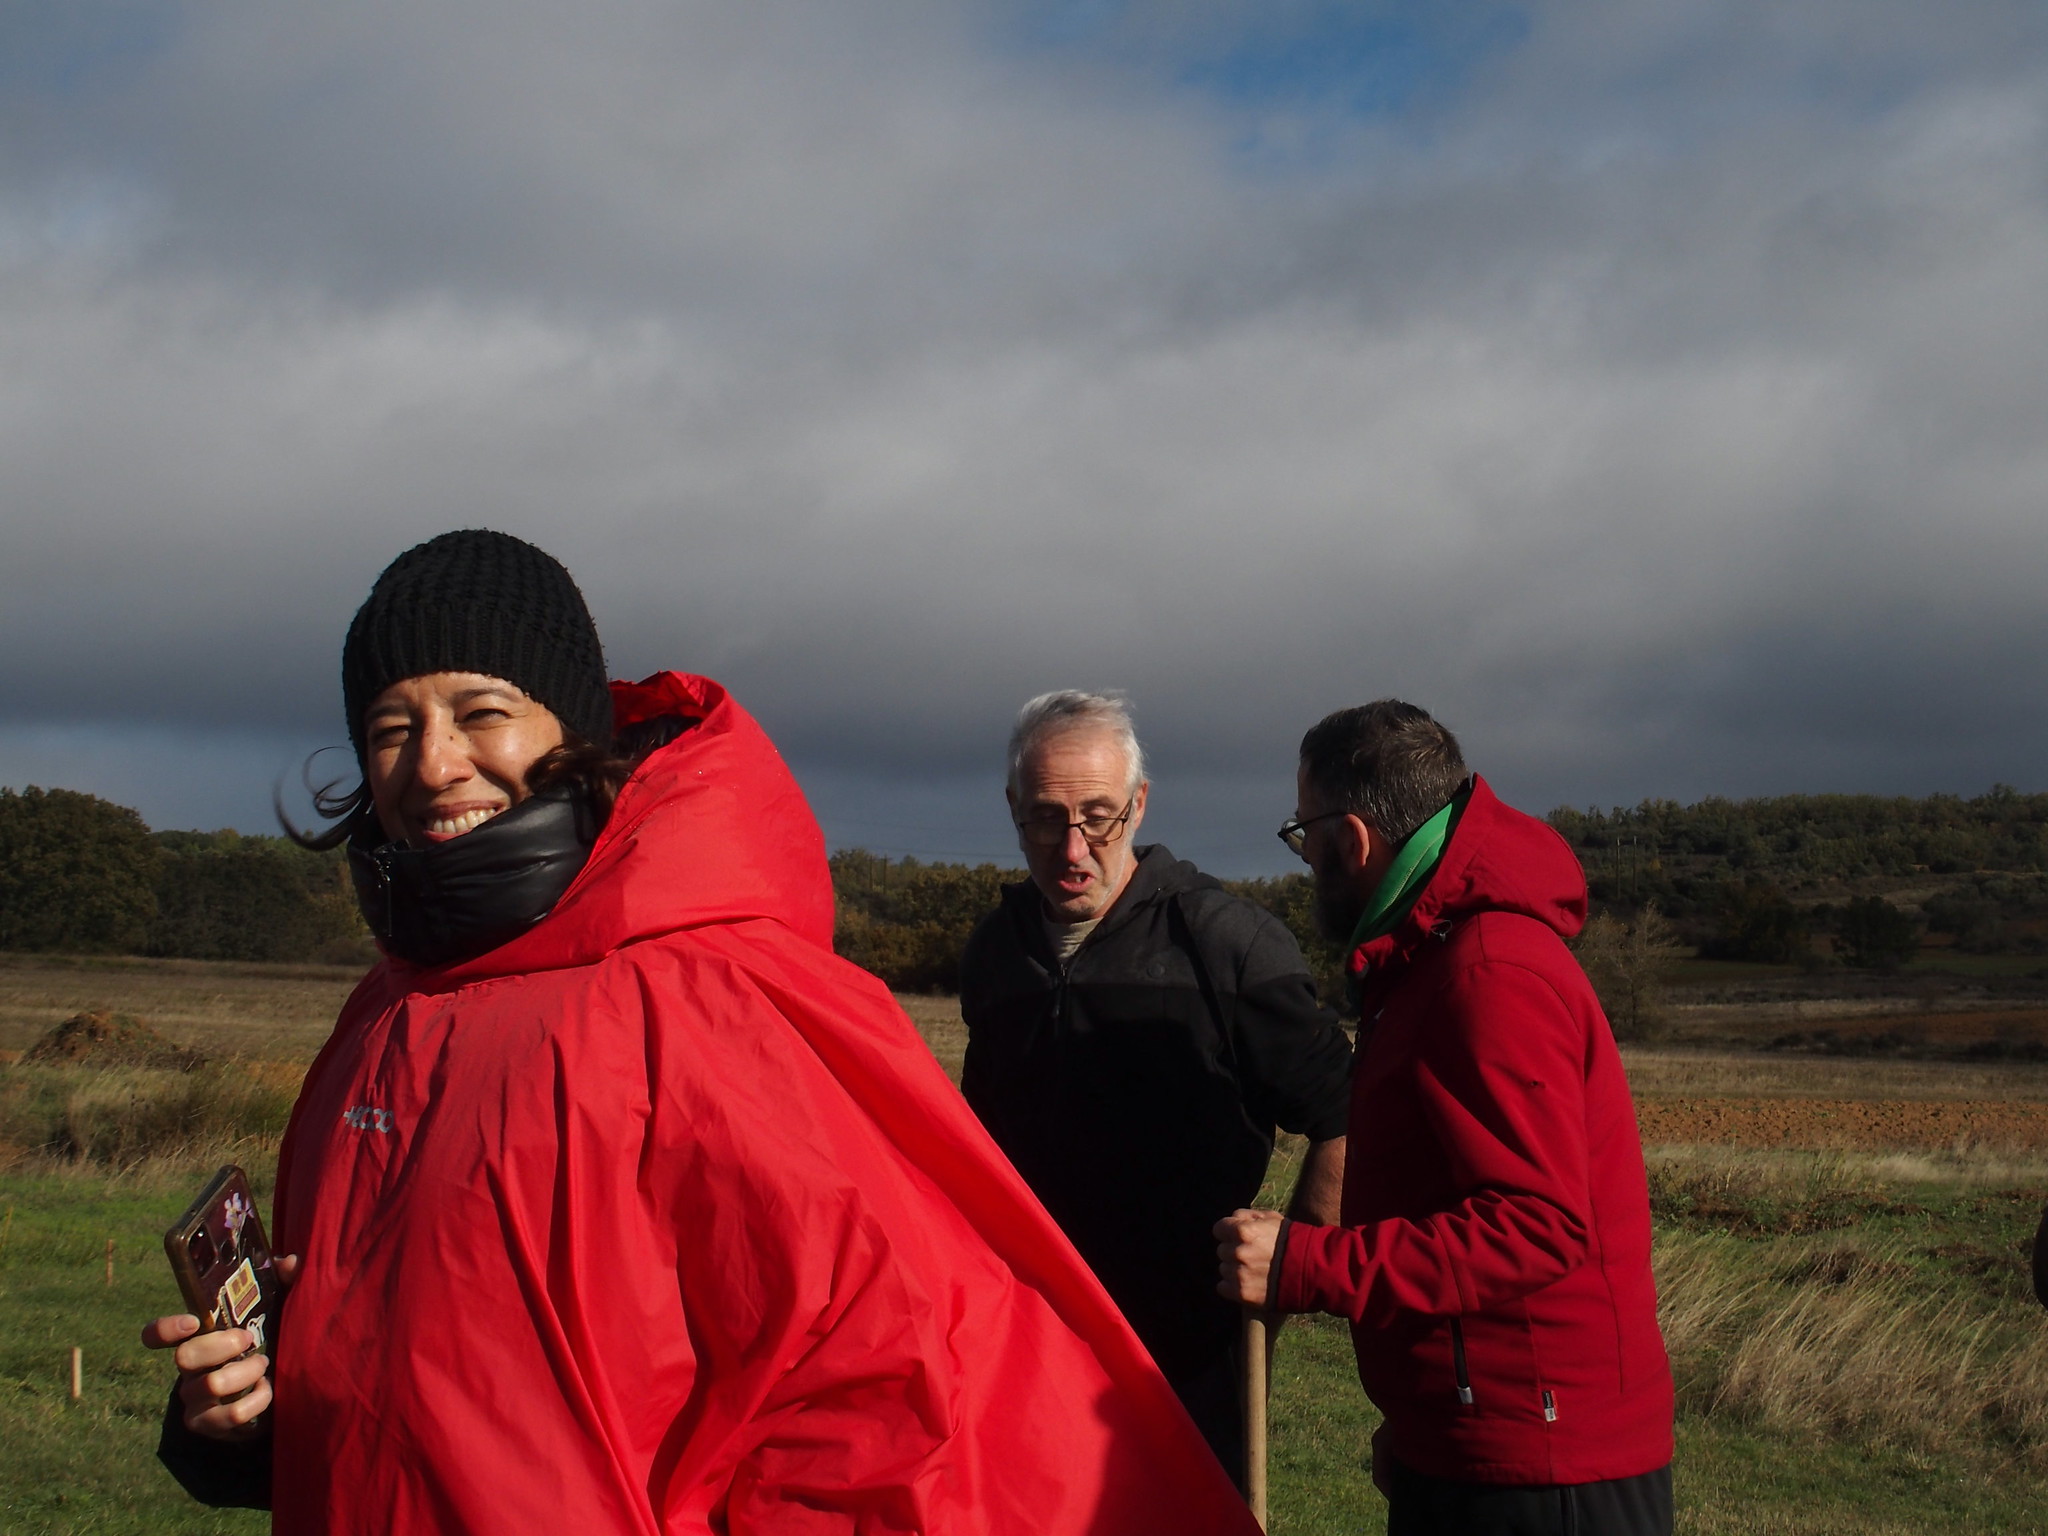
x,y
1408,874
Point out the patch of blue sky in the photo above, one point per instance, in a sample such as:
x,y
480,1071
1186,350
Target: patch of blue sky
x,y
75,216
79,47
1365,58
1304,74
1361,61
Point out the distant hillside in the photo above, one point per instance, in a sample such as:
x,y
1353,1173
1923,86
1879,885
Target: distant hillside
x,y
1972,874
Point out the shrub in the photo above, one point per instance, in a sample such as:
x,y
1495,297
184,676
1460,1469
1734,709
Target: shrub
x,y
1875,935
1976,920
1757,921
1626,962
76,873
222,896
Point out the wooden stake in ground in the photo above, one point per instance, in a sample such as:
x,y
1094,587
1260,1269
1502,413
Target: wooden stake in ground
x,y
1255,1413
110,1261
77,1374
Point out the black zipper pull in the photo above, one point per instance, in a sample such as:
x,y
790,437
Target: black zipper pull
x,y
1458,1363
381,862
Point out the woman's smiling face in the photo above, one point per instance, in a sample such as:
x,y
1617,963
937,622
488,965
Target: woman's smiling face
x,y
446,751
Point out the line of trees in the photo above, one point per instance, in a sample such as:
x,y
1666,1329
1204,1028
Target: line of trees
x,y
82,875
1853,879
907,921
1654,849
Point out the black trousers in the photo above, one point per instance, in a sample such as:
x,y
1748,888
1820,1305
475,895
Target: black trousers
x,y
1211,1388
1435,1506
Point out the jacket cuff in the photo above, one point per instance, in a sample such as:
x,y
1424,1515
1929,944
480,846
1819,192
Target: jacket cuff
x,y
1279,1265
221,1473
1303,1283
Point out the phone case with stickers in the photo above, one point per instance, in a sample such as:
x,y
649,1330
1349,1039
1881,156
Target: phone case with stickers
x,y
223,1262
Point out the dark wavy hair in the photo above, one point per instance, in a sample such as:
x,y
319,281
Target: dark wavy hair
x,y
1387,762
596,773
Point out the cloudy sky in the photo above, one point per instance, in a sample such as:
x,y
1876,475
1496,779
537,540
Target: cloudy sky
x,y
1657,393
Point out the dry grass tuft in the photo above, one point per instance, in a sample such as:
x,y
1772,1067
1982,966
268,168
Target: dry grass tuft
x,y
1751,1173
1850,1341
1867,1357
122,1118
1757,1193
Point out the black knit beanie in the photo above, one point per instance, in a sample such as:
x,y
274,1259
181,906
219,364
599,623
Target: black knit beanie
x,y
477,601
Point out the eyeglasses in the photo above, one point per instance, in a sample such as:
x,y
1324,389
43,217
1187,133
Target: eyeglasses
x,y
1098,831
1294,832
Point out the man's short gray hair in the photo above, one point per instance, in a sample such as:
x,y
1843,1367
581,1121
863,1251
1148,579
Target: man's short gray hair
x,y
1069,709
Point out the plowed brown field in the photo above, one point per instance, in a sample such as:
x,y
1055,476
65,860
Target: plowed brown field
x,y
1846,1125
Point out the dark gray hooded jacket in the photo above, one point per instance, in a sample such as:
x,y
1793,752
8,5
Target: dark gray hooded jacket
x,y
1138,1092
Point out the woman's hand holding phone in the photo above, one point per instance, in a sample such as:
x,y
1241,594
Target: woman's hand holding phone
x,y
223,1393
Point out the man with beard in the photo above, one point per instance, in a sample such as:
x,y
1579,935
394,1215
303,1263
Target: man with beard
x,y
1493,1255
1135,1033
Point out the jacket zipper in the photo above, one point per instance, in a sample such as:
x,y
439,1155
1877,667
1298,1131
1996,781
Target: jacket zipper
x,y
1458,1362
380,863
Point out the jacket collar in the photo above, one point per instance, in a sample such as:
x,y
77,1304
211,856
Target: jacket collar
x,y
1497,860
451,902
1156,875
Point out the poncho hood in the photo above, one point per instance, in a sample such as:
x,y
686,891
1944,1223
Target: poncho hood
x,y
712,828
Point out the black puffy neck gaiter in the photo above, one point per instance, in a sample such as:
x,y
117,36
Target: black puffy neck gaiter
x,y
453,901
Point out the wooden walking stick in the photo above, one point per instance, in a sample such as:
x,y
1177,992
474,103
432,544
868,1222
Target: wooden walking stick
x,y
1255,1413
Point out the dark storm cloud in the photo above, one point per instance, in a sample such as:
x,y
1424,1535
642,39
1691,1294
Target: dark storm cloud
x,y
1656,394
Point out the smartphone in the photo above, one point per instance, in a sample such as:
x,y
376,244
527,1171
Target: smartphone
x,y
223,1262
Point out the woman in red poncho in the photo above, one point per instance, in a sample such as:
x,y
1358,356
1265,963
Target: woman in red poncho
x,y
615,1198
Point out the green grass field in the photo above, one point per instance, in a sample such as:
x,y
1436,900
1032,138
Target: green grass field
x,y
1855,1347
88,1465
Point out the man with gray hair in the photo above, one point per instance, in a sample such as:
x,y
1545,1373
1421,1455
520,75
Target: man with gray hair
x,y
1135,1035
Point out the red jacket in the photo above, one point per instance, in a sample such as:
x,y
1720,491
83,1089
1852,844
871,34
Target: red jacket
x,y
660,1218
1495,1255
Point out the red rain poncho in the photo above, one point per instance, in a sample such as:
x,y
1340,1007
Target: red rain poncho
x,y
661,1218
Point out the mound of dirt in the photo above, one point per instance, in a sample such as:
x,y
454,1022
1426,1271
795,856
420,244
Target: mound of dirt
x,y
111,1040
